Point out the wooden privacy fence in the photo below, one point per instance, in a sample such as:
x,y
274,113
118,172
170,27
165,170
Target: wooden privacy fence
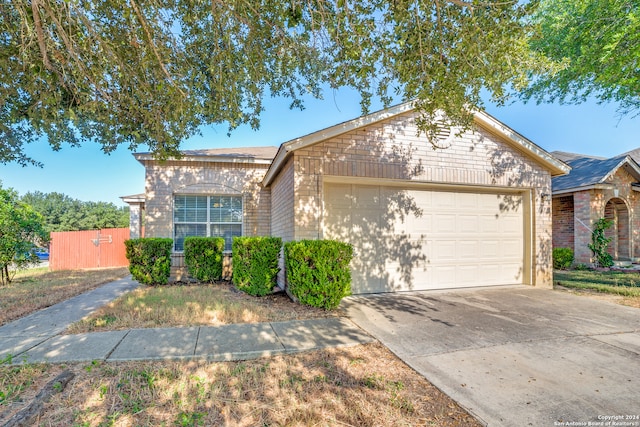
x,y
70,250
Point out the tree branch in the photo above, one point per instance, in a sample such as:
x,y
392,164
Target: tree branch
x,y
145,26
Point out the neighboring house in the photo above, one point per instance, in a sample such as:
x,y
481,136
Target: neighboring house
x,y
598,188
476,213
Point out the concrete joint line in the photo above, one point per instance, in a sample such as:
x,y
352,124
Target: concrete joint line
x,y
595,337
279,339
108,355
195,347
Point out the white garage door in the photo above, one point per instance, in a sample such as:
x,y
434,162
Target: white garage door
x,y
417,239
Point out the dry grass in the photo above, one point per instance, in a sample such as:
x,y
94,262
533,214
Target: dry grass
x,y
359,386
37,288
179,305
621,287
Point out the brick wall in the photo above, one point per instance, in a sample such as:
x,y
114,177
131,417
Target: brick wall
x,y
392,150
563,222
619,203
282,212
164,180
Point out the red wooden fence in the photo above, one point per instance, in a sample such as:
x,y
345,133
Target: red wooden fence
x,y
70,250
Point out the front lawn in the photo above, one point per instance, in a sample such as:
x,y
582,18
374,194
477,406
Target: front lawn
x,y
193,305
38,288
625,284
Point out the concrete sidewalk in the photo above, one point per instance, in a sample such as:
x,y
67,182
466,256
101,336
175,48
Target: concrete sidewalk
x,y
36,338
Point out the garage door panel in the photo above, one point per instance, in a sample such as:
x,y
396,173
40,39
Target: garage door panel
x,y
421,239
444,224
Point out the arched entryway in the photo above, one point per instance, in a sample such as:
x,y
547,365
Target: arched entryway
x,y
616,210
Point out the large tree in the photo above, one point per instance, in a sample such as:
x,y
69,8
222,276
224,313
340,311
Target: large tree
x,y
21,229
598,44
153,72
63,213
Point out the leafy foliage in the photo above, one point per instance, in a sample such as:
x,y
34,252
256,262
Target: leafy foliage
x,y
203,257
149,259
600,243
255,264
21,229
62,213
318,272
153,72
598,43
562,258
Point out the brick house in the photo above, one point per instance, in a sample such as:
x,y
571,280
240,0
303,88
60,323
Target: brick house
x,y
598,188
476,212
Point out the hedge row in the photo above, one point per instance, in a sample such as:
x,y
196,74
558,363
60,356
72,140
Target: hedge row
x,y
318,272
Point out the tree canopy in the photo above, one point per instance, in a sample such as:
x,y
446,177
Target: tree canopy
x,y
63,213
598,44
153,72
21,229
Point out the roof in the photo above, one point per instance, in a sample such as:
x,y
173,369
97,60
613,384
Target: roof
x,y
587,171
262,155
481,118
567,157
134,198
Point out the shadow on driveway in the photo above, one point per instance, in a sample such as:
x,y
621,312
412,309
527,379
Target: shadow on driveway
x,y
514,355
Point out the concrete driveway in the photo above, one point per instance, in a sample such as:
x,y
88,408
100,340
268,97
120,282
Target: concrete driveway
x,y
516,356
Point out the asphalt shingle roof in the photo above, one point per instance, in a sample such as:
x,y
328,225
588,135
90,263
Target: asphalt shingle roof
x,y
589,170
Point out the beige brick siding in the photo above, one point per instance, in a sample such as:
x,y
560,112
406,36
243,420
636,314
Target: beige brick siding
x,y
392,150
164,180
282,214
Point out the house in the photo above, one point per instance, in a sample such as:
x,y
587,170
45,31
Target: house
x,y
474,212
598,188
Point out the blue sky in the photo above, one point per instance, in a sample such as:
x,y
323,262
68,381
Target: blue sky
x,y
86,173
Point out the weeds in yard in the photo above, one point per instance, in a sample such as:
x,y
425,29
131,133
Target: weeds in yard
x,y
15,380
318,388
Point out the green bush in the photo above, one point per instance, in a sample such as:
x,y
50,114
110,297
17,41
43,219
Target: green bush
x,y
255,263
149,260
318,272
562,258
203,257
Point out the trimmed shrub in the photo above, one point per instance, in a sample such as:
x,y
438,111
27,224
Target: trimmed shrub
x,y
255,264
203,257
318,272
562,258
149,259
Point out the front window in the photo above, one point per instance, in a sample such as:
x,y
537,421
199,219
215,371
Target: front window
x,y
206,216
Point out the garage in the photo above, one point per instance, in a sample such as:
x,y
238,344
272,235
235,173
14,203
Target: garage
x,y
422,238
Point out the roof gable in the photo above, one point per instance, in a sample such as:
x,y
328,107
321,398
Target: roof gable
x,y
481,118
589,171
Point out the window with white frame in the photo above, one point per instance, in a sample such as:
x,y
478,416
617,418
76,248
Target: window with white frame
x,y
206,216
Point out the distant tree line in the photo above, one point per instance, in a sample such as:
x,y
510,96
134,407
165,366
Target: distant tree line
x,y
63,213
